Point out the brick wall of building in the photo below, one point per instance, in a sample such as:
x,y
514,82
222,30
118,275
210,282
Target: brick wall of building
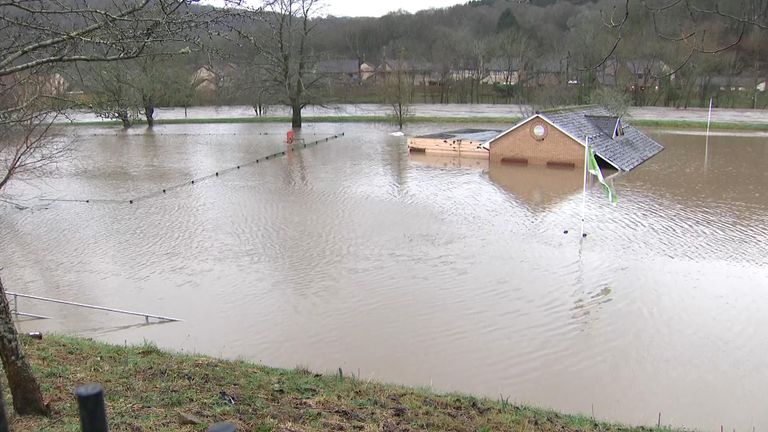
x,y
520,146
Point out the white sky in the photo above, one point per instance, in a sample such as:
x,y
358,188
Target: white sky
x,y
377,8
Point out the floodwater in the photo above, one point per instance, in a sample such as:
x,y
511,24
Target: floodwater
x,y
747,116
417,270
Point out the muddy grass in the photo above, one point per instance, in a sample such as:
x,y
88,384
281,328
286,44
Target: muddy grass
x,y
150,390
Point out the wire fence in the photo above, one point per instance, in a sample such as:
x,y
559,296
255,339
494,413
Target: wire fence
x,y
290,148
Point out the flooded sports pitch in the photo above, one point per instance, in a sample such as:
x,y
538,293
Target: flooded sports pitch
x,y
427,271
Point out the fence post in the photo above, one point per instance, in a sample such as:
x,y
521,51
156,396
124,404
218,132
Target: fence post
x,y
93,412
222,427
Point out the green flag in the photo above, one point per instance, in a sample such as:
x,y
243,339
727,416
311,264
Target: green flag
x,y
594,169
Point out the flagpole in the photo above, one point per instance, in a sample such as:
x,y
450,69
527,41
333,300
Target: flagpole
x,y
706,145
584,193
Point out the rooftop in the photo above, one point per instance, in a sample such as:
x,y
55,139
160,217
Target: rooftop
x,y
464,134
624,152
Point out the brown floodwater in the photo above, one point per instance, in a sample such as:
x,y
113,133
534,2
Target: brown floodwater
x,y
425,271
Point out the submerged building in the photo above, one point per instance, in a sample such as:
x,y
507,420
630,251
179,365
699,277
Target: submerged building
x,y
555,139
462,142
558,139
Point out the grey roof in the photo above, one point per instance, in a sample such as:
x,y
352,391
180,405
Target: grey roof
x,y
624,152
465,134
338,66
503,64
606,124
408,65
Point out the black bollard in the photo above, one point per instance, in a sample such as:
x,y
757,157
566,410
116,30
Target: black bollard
x,y
93,411
222,427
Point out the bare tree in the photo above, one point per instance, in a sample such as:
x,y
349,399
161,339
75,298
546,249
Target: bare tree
x,y
25,116
399,90
27,397
285,48
131,89
35,36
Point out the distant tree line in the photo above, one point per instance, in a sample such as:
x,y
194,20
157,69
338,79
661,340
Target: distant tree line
x,y
541,53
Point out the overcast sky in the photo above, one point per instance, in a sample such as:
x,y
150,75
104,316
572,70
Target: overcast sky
x,y
381,7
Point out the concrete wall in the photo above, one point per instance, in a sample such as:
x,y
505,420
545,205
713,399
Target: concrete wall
x,y
520,145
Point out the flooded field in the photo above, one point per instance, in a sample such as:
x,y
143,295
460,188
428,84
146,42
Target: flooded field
x,y
442,111
419,270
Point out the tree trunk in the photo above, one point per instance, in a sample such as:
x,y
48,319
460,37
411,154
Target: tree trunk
x,y
27,398
296,116
149,112
123,116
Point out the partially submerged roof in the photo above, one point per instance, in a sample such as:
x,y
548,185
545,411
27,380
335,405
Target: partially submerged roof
x,y
606,124
482,135
623,152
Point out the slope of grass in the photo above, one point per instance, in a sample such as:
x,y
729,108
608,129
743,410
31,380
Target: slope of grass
x,y
147,390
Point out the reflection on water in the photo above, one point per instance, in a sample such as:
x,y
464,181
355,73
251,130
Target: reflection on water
x,y
449,273
538,187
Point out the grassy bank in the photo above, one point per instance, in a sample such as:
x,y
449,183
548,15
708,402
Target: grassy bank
x,y
689,124
148,390
670,124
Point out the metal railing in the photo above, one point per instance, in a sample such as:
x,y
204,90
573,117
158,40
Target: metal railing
x,y
16,296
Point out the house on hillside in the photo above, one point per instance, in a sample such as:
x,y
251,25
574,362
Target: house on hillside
x,y
367,71
647,74
736,83
502,71
208,80
345,70
550,70
558,139
418,72
204,80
